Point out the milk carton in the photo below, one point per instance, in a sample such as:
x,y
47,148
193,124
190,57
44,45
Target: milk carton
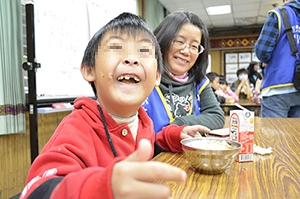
x,y
241,127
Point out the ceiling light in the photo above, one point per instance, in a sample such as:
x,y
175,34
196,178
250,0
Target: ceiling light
x,y
218,10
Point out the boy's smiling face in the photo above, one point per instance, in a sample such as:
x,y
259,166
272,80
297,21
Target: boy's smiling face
x,y
125,72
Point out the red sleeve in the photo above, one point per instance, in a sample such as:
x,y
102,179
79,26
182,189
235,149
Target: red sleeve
x,y
87,183
169,138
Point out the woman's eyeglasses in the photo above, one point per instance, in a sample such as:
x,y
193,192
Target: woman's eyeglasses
x,y
193,48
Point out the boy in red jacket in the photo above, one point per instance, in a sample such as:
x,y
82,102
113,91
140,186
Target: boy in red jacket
x,y
101,149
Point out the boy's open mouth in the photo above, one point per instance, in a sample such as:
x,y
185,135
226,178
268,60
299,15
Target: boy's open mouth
x,y
129,79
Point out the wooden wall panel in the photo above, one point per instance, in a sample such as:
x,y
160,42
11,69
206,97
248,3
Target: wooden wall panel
x,y
47,124
216,61
15,153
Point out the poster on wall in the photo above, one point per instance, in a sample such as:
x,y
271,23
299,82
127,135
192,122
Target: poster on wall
x,y
231,78
236,61
231,57
231,68
245,57
254,58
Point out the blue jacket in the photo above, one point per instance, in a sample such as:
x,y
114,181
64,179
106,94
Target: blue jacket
x,y
158,110
279,71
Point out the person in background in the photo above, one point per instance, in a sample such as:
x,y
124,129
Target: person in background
x,y
279,96
241,86
253,74
102,148
261,68
214,83
257,96
184,95
225,91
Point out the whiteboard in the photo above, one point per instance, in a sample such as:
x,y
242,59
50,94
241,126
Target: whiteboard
x,y
62,31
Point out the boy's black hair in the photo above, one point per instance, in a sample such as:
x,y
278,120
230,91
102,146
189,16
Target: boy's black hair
x,y
127,23
222,80
167,31
212,76
240,71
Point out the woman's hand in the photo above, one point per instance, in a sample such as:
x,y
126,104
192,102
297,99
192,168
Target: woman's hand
x,y
136,177
193,131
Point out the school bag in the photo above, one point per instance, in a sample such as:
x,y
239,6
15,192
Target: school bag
x,y
289,32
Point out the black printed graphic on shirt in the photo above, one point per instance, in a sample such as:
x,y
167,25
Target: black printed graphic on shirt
x,y
182,104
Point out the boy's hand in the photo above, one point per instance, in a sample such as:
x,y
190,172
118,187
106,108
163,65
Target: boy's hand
x,y
193,131
136,177
244,81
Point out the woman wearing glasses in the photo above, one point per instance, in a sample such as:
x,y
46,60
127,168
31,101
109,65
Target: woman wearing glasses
x,y
184,95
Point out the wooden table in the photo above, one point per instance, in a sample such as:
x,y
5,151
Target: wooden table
x,y
268,177
245,103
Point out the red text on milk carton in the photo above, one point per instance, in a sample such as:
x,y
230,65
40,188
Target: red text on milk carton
x,y
242,130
